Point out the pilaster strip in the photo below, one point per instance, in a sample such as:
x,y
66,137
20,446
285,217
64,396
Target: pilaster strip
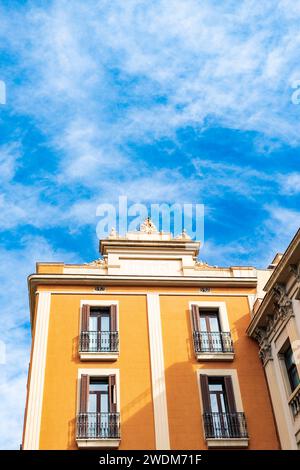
x,y
158,373
35,398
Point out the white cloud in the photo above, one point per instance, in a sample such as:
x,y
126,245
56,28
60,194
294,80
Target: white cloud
x,y
97,76
283,221
230,62
290,183
15,266
9,160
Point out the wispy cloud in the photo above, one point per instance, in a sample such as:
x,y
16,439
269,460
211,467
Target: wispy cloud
x,y
15,265
129,98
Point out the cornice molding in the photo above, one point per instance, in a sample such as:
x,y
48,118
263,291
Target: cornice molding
x,y
282,312
36,280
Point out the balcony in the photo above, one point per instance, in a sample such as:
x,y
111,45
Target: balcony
x,y
99,345
294,402
98,430
225,429
213,346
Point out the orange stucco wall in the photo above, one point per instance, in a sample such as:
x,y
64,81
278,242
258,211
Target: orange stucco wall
x,y
137,421
60,390
185,423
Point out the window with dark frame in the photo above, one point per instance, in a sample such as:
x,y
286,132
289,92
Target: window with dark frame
x,y
207,332
98,417
99,329
291,368
221,419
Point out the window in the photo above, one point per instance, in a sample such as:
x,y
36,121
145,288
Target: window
x,y
210,331
99,332
291,368
217,395
208,334
221,419
98,417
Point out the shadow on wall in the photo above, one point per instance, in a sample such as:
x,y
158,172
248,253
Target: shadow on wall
x,y
185,419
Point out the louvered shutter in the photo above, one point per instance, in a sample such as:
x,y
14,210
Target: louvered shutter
x,y
112,394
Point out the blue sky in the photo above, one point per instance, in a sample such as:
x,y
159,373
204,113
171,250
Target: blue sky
x,y
163,101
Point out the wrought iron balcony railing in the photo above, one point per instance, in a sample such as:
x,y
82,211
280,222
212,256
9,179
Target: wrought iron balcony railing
x,y
98,426
295,403
99,341
220,342
225,425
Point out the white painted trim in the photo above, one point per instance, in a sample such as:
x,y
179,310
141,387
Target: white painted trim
x,y
37,377
98,443
219,356
97,372
218,443
99,303
99,356
212,304
251,300
161,422
284,393
222,373
128,293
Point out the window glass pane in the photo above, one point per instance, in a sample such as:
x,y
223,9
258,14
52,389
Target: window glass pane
x,y
92,403
203,324
215,387
214,324
222,403
294,378
289,358
214,403
104,403
105,322
101,387
93,324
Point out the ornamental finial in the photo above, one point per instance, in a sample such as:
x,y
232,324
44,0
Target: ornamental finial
x,y
148,226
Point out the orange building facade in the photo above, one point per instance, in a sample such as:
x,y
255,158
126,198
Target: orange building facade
x,y
145,348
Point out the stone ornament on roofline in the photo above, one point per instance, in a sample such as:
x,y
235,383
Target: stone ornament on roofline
x,y
295,270
100,262
148,226
183,236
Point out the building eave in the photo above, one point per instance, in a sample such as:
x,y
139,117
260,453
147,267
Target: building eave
x,y
157,245
292,253
280,274
36,280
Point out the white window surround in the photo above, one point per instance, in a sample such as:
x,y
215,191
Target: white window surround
x,y
221,306
95,372
228,442
99,356
224,323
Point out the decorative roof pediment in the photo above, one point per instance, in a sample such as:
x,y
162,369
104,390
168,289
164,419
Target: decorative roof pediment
x,y
148,226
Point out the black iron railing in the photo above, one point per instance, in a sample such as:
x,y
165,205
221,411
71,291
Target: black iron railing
x,y
220,342
295,403
225,425
99,341
98,426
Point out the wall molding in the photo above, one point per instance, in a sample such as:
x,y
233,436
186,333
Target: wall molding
x,y
37,375
128,293
161,422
